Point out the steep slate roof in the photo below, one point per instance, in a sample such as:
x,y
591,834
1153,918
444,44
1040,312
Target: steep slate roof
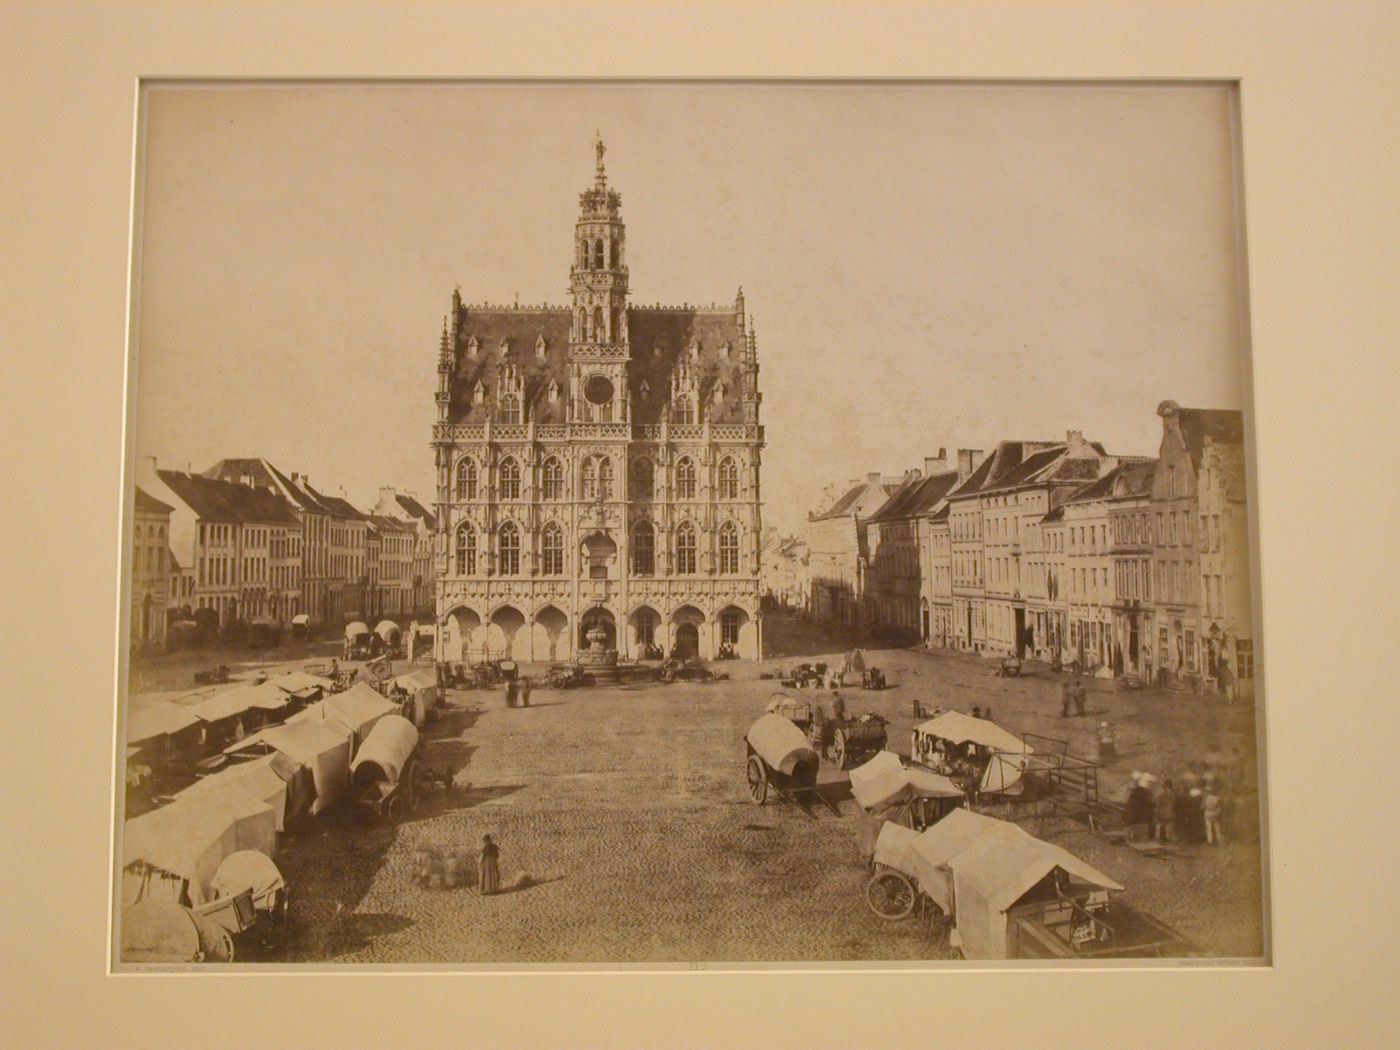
x,y
263,472
336,506
416,509
148,504
842,507
916,495
659,338
1006,458
1223,426
383,521
215,500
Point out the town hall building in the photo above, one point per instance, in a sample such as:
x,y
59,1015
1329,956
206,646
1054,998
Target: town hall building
x,y
598,467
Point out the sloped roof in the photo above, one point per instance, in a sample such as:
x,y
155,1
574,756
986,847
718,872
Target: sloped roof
x,y
383,521
916,495
1005,458
1029,469
148,504
215,500
416,509
842,507
335,505
1223,426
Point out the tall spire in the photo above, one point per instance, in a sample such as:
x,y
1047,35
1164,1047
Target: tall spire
x,y
600,178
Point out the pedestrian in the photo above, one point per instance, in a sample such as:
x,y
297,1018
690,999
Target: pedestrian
x,y
510,692
838,708
1066,697
525,692
1108,747
1190,816
1210,809
1137,812
987,714
1080,692
1165,809
490,880
1225,681
976,711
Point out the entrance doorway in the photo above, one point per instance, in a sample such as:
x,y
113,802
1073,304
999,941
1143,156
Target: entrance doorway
x,y
687,645
1021,640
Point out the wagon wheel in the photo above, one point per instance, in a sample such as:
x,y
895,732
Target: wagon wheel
x,y
394,807
228,943
410,787
838,748
890,896
758,780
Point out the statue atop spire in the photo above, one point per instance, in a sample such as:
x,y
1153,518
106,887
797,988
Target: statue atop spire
x,y
600,202
600,179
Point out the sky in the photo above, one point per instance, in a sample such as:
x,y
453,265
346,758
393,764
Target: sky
x,y
927,266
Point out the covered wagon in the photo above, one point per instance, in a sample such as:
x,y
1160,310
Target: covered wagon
x,y
359,641
317,756
779,759
162,931
887,790
388,638
383,776
352,713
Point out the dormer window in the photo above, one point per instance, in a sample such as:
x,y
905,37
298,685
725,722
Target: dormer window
x,y
479,394
725,351
644,389
505,347
472,346
553,390
539,346
656,351
694,349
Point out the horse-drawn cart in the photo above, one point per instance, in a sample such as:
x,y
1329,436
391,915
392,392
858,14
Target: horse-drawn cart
x,y
779,759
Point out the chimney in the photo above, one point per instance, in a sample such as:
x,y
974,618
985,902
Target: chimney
x,y
969,459
936,464
1075,440
146,471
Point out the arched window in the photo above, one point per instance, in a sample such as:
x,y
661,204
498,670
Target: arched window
x,y
728,547
583,255
598,254
466,479
643,549
728,479
683,410
509,474
509,409
605,478
643,479
552,550
508,550
466,550
583,321
685,548
599,335
685,478
616,254
553,477
589,488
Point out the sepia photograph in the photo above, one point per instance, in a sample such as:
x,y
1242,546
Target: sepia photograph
x,y
622,523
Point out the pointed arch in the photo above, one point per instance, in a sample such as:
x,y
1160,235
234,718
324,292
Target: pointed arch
x,y
466,478
728,478
643,549
466,550
508,479
588,479
552,478
643,478
600,334
616,254
685,478
729,548
598,254
508,409
552,550
605,478
508,549
686,545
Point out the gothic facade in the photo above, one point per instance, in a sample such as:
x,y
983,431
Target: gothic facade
x,y
597,464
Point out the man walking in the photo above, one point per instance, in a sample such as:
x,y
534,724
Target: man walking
x,y
1080,694
525,692
1165,808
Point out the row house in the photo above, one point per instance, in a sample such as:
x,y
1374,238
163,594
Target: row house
x,y
1200,548
897,539
406,506
1001,585
320,588
784,570
391,566
837,550
150,567
241,546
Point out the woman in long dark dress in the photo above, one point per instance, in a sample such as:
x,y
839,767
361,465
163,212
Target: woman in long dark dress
x,y
490,867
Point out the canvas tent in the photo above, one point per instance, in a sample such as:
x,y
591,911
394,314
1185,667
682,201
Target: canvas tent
x,y
259,778
977,868
386,751
301,685
885,780
351,713
248,703
177,849
781,744
151,721
422,689
319,748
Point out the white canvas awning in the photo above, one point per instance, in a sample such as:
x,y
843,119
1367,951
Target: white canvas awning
x,y
157,719
258,778
780,743
958,728
884,779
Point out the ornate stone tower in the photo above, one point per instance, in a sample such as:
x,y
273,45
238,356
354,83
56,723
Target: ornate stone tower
x,y
598,345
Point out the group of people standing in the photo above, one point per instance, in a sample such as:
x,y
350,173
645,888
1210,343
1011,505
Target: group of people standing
x,y
517,692
1188,809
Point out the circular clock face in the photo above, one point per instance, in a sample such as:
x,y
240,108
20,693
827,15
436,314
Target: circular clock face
x,y
598,389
